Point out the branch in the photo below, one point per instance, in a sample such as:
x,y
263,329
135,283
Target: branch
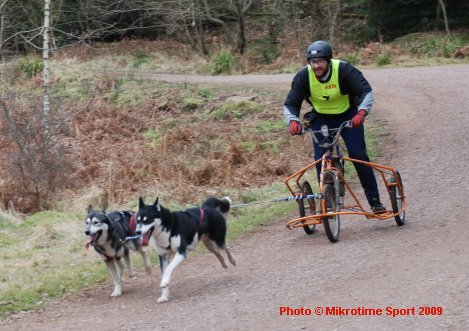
x,y
14,132
20,33
218,21
3,5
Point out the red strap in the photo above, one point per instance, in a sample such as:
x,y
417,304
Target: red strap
x,y
202,215
133,223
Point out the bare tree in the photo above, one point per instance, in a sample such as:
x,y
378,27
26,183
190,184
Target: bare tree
x,y
45,59
240,8
211,18
36,161
334,11
2,20
37,158
441,4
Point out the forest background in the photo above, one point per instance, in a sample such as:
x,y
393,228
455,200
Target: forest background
x,y
66,114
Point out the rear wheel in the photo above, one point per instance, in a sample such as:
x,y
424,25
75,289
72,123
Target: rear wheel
x,y
331,223
310,207
397,199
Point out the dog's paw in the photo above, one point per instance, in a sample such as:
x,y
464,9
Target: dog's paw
x,y
116,294
232,260
231,256
162,299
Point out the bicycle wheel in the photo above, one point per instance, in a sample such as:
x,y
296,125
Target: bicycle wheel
x,y
331,223
396,199
339,165
309,229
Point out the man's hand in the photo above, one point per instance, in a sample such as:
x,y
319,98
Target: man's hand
x,y
295,128
359,119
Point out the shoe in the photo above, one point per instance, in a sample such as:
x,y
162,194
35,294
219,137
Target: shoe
x,y
377,207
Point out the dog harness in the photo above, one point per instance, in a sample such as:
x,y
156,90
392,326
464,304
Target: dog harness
x,y
192,212
133,223
202,215
102,252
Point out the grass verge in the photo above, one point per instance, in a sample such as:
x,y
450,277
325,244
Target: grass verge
x,y
43,257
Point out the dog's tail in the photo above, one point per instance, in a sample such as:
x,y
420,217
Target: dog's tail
x,y
222,204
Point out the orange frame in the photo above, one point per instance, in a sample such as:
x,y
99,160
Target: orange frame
x,y
355,208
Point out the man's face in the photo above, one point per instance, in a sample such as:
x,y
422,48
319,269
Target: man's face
x,y
320,66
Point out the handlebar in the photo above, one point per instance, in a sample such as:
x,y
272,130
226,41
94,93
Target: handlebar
x,y
327,133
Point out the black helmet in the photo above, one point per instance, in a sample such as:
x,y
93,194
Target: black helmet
x,y
319,49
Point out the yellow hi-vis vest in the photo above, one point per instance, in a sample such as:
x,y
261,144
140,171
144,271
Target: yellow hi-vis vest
x,y
326,97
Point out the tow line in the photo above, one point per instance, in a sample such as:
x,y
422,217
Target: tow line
x,y
290,198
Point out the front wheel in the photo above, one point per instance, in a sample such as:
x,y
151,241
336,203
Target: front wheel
x,y
306,188
331,223
396,196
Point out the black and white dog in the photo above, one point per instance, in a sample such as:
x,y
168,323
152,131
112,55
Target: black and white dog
x,y
107,233
179,232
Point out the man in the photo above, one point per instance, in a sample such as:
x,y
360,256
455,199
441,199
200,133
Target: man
x,y
337,92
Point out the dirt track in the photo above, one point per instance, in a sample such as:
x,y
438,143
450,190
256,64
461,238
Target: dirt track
x,y
375,264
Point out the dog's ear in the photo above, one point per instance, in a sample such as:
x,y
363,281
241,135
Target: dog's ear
x,y
89,209
157,204
106,219
141,203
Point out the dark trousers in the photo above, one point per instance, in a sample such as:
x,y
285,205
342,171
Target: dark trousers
x,y
355,142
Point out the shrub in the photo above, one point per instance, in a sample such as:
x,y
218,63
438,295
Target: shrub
x,y
153,136
430,45
383,59
140,57
353,58
30,66
205,92
267,127
236,109
222,62
191,103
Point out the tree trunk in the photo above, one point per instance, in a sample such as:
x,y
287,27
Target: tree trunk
x,y
186,28
319,31
241,10
334,18
212,19
201,37
445,17
46,102
2,25
45,58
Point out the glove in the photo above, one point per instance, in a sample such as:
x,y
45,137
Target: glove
x,y
359,119
295,128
